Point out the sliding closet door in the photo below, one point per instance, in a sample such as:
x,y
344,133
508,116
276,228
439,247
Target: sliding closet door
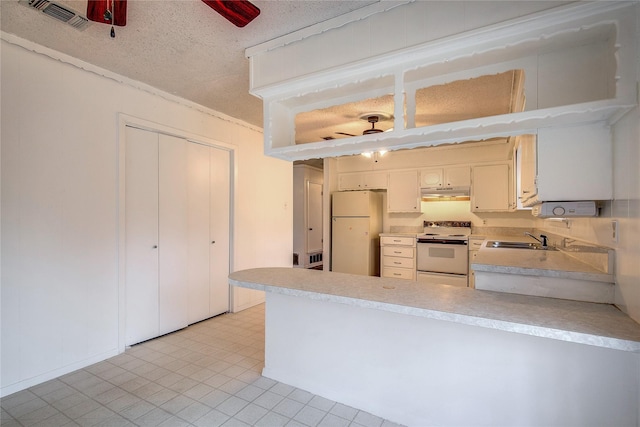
x,y
220,163
172,226
141,231
208,192
177,233
199,242
155,235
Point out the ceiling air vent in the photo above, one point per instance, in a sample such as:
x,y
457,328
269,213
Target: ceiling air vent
x,y
61,13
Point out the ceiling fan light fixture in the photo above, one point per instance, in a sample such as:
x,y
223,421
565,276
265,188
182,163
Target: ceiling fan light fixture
x,y
373,120
238,12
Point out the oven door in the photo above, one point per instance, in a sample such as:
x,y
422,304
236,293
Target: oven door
x,y
443,257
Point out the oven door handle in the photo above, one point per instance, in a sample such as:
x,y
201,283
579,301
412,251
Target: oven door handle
x,y
444,241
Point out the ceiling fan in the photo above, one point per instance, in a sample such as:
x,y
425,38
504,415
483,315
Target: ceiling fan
x,y
371,118
238,12
114,12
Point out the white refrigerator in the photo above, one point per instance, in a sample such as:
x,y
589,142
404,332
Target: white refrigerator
x,y
356,224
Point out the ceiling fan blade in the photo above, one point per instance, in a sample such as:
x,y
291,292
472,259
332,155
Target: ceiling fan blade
x,y
112,12
345,134
239,12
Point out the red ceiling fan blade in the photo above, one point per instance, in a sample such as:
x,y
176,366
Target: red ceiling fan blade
x,y
239,12
112,12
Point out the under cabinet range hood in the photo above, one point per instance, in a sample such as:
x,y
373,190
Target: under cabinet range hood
x,y
565,209
447,193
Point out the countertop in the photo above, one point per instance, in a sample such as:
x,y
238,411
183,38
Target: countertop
x,y
600,325
546,263
555,263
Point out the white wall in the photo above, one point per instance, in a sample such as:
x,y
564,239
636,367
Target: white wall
x,y
418,371
59,283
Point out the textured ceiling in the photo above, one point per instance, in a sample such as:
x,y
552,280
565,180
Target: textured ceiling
x,y
179,46
482,96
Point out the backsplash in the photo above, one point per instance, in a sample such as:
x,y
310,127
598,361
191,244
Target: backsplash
x,y
600,257
502,231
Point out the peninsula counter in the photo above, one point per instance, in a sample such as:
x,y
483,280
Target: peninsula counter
x,y
441,355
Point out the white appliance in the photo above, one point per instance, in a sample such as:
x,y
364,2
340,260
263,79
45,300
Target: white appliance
x,y
356,225
443,256
564,209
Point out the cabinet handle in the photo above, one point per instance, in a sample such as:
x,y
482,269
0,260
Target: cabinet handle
x,y
397,252
213,241
397,263
155,246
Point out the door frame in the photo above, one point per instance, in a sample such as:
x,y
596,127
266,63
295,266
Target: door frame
x,y
125,120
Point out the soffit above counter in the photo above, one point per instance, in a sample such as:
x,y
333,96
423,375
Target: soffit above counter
x,y
576,62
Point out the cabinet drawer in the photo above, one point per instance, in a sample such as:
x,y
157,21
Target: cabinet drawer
x,y
475,245
394,261
396,240
399,273
398,251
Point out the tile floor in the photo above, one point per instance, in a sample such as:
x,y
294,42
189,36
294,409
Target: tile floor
x,y
206,375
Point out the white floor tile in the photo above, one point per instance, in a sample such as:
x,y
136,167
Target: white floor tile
x,y
206,375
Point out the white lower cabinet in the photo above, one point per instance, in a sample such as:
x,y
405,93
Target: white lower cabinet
x,y
171,222
398,257
474,246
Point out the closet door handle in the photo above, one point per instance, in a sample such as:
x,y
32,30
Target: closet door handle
x,y
155,246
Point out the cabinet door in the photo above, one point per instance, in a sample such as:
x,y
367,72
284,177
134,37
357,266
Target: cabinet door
x,y
527,169
314,217
403,194
574,163
431,178
490,189
219,220
172,226
457,177
374,181
349,181
141,238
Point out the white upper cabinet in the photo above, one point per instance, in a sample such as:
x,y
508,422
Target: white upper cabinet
x,y
362,181
573,163
403,194
459,176
448,177
491,188
526,166
432,178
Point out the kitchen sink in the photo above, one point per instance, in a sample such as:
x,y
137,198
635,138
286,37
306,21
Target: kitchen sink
x,y
517,245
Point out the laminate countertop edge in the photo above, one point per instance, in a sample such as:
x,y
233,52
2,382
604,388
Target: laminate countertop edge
x,y
598,325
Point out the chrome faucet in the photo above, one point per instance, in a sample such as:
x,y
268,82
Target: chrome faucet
x,y
543,242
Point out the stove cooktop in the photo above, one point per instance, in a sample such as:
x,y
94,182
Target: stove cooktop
x,y
452,230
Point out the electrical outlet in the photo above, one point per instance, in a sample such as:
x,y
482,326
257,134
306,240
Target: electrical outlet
x,y
614,230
